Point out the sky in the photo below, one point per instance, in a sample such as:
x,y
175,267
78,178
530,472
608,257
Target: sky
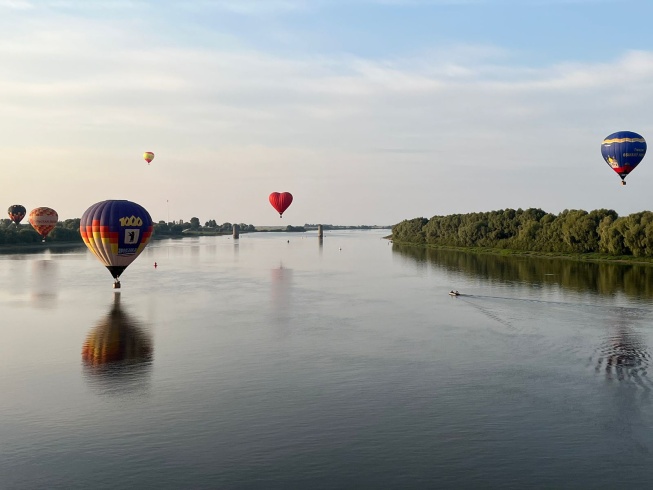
x,y
367,111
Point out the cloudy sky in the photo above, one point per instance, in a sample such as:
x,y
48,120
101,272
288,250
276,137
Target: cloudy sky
x,y
367,111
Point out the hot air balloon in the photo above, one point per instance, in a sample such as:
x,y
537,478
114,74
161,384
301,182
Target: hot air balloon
x,y
623,151
43,220
280,201
116,231
16,213
148,156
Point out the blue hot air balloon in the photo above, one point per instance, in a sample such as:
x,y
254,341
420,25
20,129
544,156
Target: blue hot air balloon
x,y
116,232
623,151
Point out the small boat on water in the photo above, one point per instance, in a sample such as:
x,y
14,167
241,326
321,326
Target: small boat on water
x,y
454,293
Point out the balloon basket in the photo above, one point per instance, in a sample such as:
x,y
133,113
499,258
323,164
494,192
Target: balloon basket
x,y
116,285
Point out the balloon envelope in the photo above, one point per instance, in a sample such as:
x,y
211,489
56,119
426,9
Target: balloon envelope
x,y
148,156
43,220
280,201
16,213
116,231
623,151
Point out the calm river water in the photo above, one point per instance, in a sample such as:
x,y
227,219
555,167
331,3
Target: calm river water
x,y
276,362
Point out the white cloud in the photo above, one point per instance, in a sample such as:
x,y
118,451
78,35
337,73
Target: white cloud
x,y
252,7
88,97
16,5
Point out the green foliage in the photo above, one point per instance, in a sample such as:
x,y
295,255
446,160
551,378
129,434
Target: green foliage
x,y
211,227
410,231
295,228
65,231
571,231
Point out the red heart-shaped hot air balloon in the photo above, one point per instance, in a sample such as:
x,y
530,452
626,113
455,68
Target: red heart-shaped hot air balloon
x,y
280,201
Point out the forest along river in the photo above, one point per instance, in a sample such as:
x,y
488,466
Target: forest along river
x,y
277,360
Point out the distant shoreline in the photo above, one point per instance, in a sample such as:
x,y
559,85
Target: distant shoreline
x,y
22,247
8,248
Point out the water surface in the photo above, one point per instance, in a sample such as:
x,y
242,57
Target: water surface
x,y
277,361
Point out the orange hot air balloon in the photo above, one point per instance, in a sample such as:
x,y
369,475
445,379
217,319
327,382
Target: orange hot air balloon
x,y
280,201
43,220
148,156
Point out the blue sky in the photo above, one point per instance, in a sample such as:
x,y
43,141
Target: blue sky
x,y
368,111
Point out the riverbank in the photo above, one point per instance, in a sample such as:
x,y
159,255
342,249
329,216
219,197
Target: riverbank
x,y
587,257
39,246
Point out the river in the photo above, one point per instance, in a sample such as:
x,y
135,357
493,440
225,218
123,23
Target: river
x,y
278,361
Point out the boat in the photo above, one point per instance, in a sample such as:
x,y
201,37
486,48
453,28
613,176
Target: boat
x,y
454,293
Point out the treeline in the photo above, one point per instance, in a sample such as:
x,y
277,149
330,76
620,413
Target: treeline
x,y
68,230
571,231
12,234
178,228
311,226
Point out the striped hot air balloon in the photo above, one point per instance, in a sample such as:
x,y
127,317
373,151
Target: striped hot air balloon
x,y
148,156
116,231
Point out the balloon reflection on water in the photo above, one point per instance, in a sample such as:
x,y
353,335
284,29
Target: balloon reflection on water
x,y
117,353
45,283
281,285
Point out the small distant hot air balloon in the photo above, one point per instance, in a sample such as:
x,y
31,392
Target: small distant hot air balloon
x,y
116,231
623,151
148,156
16,213
43,220
280,201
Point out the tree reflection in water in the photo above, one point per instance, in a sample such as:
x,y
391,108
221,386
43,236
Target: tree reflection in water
x,y
623,354
634,280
